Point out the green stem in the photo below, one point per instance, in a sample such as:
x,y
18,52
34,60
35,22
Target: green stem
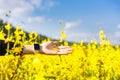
x,y
8,42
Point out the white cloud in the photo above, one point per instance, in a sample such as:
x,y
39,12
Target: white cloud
x,y
36,3
81,34
23,10
36,19
18,8
72,24
78,36
117,34
118,26
43,4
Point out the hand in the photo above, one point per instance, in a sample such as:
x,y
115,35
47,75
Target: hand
x,y
48,47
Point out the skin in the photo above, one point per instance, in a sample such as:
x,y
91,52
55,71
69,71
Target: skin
x,y
48,48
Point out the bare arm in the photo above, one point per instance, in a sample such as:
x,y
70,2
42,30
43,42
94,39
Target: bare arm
x,y
47,48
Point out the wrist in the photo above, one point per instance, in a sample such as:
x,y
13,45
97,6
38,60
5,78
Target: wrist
x,y
41,49
36,48
31,49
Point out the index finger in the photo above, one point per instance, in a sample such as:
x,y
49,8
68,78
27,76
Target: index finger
x,y
63,47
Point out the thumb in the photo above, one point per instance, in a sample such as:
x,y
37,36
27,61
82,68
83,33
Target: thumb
x,y
55,42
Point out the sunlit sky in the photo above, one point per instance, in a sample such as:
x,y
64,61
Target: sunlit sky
x,y
83,19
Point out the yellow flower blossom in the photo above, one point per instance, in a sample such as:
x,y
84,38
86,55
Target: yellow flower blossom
x,y
90,61
8,27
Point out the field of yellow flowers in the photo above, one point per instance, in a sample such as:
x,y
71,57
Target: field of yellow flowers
x,y
94,61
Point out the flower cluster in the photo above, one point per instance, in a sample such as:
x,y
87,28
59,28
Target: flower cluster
x,y
93,61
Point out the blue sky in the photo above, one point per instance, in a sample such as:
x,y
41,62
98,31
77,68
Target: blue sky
x,y
83,19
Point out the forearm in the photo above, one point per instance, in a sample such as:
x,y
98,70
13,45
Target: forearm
x,y
27,49
30,49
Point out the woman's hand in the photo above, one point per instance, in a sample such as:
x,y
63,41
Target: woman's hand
x,y
48,48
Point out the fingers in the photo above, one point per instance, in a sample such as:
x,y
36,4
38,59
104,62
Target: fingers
x,y
49,48
67,49
52,44
59,52
64,47
64,52
55,42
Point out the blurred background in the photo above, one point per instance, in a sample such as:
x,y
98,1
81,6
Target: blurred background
x,y
82,19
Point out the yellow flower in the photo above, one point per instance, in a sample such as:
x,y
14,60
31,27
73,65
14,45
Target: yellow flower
x,y
8,27
33,35
2,35
63,35
16,50
66,43
36,61
18,27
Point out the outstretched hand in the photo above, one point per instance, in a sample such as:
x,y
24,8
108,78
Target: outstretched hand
x,y
48,48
